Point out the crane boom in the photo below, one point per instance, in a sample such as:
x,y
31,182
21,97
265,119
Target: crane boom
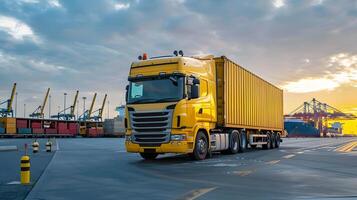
x,y
74,104
44,102
92,105
102,108
9,105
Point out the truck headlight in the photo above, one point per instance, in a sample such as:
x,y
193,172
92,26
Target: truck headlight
x,y
128,138
178,137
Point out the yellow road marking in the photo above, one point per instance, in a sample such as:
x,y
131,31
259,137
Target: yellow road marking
x,y
194,194
288,156
347,147
243,172
273,162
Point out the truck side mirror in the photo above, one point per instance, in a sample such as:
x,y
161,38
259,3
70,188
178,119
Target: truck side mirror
x,y
195,89
126,92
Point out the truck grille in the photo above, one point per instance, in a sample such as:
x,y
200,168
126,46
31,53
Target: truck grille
x,y
151,127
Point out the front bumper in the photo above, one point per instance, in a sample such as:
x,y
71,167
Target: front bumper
x,y
171,147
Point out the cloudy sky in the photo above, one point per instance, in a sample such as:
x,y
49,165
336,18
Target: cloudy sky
x,y
308,48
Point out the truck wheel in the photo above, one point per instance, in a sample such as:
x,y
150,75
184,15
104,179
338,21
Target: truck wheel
x,y
149,156
234,143
201,146
253,146
273,141
268,144
277,141
242,141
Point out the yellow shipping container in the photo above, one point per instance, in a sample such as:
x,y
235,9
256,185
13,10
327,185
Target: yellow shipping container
x,y
245,100
11,130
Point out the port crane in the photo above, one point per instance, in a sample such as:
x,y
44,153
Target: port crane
x,y
318,113
62,115
38,113
8,111
98,117
87,114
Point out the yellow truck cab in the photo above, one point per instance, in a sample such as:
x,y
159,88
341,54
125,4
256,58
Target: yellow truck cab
x,y
197,105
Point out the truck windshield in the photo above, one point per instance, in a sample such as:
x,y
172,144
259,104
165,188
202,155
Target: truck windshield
x,y
156,90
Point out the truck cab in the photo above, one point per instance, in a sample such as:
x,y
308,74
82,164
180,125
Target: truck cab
x,y
169,99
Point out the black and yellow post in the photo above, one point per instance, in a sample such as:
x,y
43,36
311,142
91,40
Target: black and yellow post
x,y
35,146
48,146
25,168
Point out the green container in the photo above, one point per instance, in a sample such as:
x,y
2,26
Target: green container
x,y
24,130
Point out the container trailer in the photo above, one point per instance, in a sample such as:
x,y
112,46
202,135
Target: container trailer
x,y
199,105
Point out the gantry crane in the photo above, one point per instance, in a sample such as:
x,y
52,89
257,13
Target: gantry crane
x,y
38,113
62,115
8,111
87,114
99,111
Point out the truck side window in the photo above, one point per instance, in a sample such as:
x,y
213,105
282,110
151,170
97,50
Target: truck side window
x,y
203,88
136,90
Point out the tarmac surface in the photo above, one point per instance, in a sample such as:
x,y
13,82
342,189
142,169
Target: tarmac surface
x,y
99,168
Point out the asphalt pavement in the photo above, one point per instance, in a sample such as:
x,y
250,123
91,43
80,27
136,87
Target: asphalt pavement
x,y
99,168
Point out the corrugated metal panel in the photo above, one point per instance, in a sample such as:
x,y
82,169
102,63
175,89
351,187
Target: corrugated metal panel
x,y
249,101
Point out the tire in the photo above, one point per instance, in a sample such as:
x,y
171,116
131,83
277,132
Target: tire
x,y
277,141
201,146
234,143
268,145
149,156
242,141
273,141
253,146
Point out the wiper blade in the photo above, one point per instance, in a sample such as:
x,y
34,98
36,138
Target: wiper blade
x,y
166,99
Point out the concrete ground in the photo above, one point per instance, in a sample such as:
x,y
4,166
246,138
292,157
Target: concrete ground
x,y
99,168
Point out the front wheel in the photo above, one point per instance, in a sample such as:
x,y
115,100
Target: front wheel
x,y
201,146
149,156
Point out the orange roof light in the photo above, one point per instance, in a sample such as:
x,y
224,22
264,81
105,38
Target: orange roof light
x,y
145,56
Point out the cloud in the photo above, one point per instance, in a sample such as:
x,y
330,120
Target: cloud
x,y
341,69
17,29
278,3
121,6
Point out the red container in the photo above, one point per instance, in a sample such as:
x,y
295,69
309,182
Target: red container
x,y
62,125
63,131
51,131
21,123
38,131
100,131
92,132
73,126
36,125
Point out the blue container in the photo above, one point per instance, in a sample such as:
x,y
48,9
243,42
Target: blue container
x,y
2,130
24,131
1,125
301,129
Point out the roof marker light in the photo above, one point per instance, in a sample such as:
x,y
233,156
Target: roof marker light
x,y
145,56
140,57
175,53
180,53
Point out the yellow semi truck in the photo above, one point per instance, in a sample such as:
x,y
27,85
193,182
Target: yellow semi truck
x,y
198,105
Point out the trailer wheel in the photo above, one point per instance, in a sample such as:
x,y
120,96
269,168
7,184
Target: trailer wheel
x,y
253,146
277,141
234,143
273,140
242,141
149,156
268,144
201,146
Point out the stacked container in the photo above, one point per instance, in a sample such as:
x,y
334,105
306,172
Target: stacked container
x,y
62,128
73,128
50,127
36,126
9,124
2,129
22,126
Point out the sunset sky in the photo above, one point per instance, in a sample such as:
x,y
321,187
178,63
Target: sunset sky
x,y
308,48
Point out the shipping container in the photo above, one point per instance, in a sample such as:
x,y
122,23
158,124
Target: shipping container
x,y
24,130
36,124
245,100
22,123
38,131
2,130
51,131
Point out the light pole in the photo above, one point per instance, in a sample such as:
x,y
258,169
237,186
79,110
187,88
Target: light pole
x,y
16,104
84,104
59,108
77,108
49,107
24,109
64,103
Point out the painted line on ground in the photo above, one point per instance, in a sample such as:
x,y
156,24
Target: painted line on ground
x,y
13,183
289,156
272,162
8,148
194,194
347,147
241,172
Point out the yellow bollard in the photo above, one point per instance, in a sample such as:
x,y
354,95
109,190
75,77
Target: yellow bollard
x,y
48,146
25,170
35,146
